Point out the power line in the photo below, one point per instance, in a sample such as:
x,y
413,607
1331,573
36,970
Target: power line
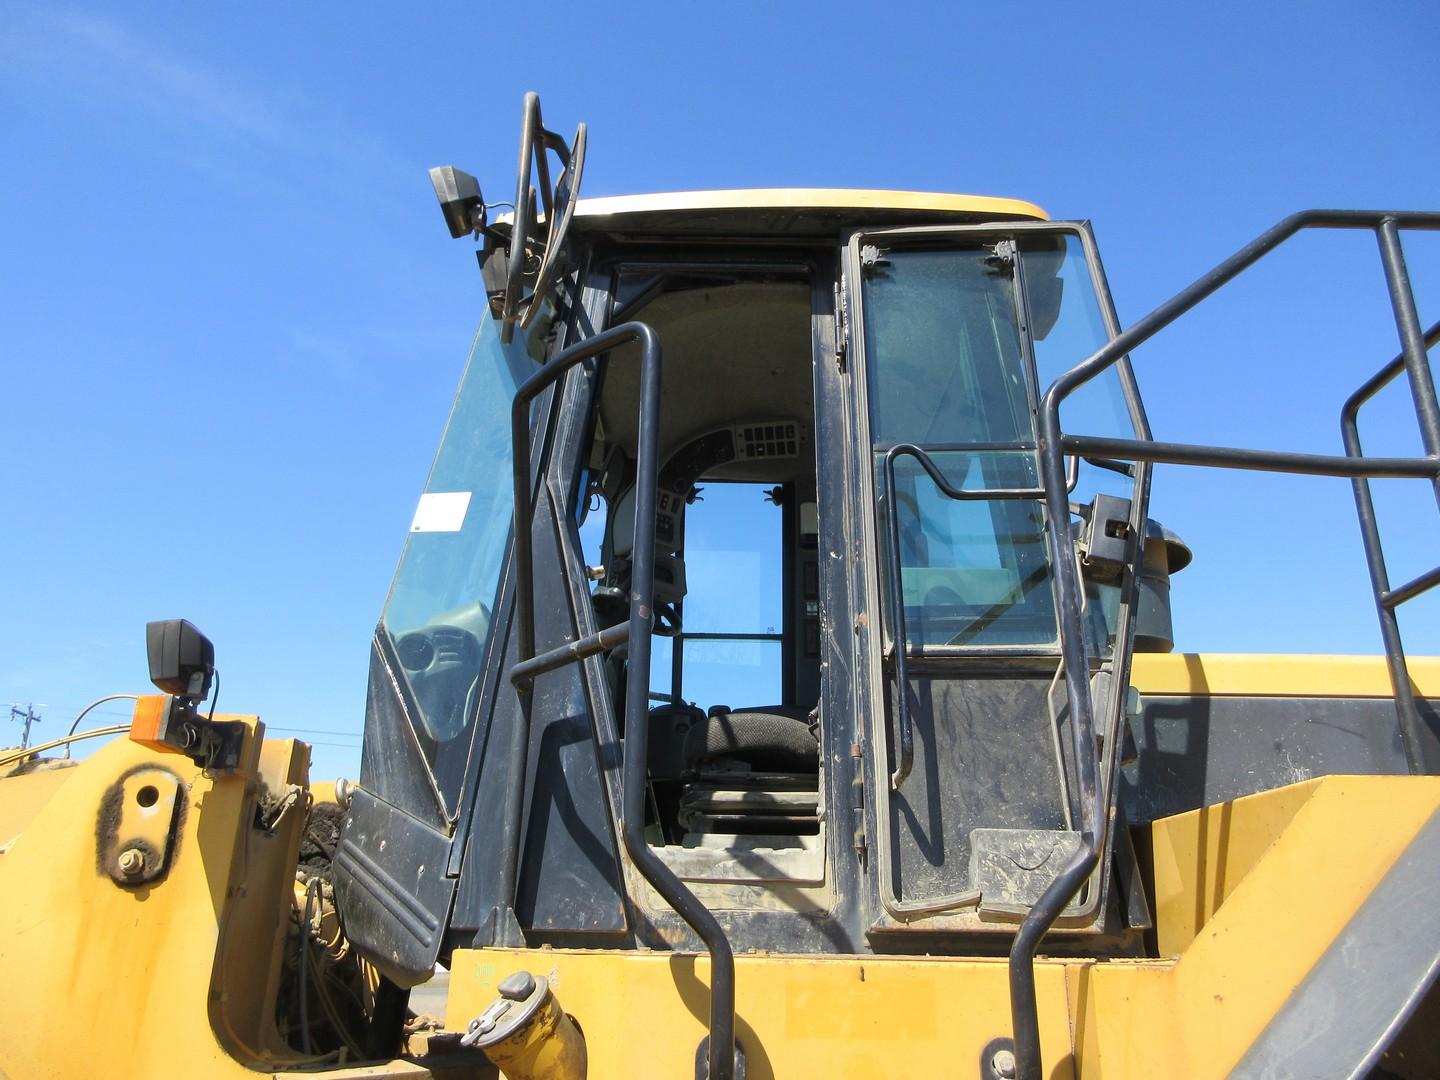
x,y
315,731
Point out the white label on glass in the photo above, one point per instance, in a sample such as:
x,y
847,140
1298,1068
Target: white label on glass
x,y
441,511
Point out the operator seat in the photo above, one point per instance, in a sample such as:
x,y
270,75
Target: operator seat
x,y
768,738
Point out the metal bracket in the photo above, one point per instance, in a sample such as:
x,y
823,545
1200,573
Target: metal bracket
x,y
872,257
139,814
1001,259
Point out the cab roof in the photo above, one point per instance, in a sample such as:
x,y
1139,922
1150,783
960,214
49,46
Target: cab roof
x,y
791,211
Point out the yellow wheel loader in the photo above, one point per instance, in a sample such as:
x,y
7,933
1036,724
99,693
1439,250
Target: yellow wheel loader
x,y
772,686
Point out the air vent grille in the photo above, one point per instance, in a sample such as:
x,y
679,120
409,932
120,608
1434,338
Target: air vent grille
x,y
780,439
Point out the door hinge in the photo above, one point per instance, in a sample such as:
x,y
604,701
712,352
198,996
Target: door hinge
x,y
1001,259
842,324
857,799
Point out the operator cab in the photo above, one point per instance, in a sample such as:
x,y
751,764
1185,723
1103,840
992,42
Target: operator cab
x,y
730,590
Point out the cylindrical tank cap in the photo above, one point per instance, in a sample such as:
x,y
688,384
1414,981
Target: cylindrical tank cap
x,y
521,996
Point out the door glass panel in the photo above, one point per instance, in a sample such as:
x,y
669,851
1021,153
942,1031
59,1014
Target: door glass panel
x,y
1064,305
973,572
1069,329
947,367
943,350
438,612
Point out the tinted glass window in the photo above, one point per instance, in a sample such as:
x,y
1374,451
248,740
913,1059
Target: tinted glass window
x,y
947,368
438,612
733,574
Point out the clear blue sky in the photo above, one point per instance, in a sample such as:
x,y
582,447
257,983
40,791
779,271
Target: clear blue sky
x,y
231,320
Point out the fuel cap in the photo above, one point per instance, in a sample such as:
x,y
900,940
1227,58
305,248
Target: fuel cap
x,y
521,996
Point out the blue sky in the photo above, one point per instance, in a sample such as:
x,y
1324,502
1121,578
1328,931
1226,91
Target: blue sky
x,y
231,320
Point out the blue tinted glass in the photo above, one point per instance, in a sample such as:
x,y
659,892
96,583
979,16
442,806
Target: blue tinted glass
x,y
732,561
438,612
1069,328
946,367
734,585
739,674
973,572
943,350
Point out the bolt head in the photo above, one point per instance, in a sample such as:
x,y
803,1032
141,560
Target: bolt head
x,y
132,862
1004,1064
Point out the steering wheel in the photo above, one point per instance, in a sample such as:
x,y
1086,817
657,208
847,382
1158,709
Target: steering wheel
x,y
440,646
612,606
667,620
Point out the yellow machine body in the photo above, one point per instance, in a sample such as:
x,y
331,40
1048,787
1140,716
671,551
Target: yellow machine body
x,y
178,976
149,901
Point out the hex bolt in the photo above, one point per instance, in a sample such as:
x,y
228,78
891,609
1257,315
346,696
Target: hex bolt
x,y
1004,1064
132,862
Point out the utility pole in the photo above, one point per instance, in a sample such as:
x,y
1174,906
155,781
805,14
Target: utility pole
x,y
29,715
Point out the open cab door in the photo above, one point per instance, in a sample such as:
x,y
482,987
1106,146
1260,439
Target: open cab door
x,y
1000,781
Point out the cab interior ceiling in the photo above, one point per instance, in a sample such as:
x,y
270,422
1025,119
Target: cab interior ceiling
x,y
732,351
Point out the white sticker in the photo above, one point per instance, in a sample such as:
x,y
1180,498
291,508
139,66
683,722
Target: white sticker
x,y
441,511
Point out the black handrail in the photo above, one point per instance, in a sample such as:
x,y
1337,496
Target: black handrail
x,y
905,758
1386,598
637,630
1053,445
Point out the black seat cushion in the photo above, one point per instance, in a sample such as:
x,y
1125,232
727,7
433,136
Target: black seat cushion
x,y
768,738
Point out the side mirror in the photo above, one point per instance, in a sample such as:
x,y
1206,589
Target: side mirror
x,y
182,660
460,201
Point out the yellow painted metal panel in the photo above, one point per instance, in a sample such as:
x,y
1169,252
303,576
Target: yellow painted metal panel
x,y
843,1018
1200,857
1276,676
1265,888
176,978
806,199
1200,1014
21,798
173,978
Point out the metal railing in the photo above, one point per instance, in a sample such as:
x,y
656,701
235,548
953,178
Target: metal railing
x,y
1054,446
636,631
1386,598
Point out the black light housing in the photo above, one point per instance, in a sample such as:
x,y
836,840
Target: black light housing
x,y
460,201
182,659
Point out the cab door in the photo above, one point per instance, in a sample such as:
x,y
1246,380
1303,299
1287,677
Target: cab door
x,y
956,333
